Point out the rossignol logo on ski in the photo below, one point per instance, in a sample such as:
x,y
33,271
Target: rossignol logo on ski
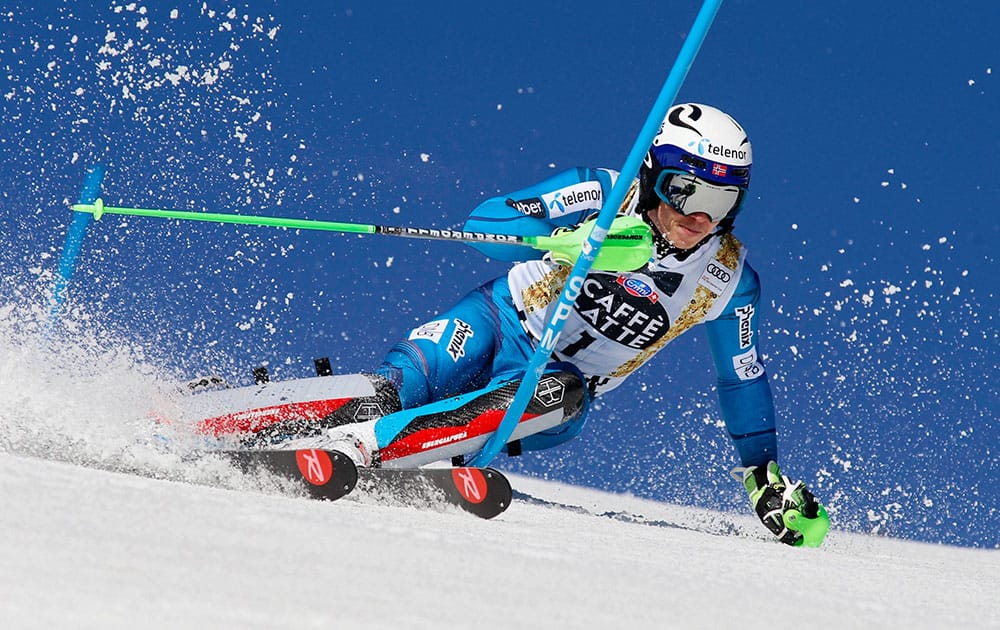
x,y
470,483
461,334
314,465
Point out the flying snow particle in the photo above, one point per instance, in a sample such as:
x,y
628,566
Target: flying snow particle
x,y
425,157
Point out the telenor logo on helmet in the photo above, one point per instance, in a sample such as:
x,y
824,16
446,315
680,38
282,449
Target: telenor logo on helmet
x,y
705,147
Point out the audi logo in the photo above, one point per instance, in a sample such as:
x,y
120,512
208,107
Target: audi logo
x,y
718,272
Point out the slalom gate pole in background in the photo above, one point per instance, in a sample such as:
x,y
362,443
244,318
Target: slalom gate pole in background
x,y
592,246
74,240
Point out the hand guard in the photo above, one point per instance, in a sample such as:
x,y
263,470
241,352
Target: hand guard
x,y
785,507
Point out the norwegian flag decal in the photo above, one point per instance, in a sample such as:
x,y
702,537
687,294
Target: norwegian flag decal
x,y
719,170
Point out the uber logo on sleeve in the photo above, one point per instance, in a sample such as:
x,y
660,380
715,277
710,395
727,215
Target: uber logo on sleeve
x,y
461,334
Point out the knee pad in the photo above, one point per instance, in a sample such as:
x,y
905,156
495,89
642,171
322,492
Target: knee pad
x,y
576,410
576,405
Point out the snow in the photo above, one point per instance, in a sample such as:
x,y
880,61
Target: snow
x,y
90,548
209,109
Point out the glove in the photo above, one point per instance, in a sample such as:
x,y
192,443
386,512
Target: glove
x,y
627,245
785,507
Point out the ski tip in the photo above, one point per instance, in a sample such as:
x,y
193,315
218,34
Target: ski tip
x,y
323,474
317,466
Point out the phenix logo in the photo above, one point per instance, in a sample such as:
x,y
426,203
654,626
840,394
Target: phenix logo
x,y
705,147
456,347
745,314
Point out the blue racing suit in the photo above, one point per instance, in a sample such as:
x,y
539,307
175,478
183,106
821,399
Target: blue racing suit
x,y
620,320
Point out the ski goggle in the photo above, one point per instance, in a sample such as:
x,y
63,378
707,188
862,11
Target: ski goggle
x,y
689,194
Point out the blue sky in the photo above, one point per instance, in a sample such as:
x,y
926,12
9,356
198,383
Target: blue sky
x,y
871,218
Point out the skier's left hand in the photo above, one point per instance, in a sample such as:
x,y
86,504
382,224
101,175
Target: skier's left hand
x,y
787,508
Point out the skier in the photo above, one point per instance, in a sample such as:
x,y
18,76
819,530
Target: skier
x,y
450,373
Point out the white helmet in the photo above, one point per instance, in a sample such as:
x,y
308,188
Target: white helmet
x,y
699,162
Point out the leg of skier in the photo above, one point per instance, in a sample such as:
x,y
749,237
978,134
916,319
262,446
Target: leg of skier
x,y
456,377
461,425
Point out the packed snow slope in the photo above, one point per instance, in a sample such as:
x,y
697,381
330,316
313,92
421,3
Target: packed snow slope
x,y
106,521
871,221
88,548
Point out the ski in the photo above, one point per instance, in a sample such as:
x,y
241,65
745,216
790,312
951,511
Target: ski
x,y
330,475
325,475
485,492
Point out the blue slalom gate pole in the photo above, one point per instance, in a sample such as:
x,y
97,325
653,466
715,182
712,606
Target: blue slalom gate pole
x,y
570,292
74,239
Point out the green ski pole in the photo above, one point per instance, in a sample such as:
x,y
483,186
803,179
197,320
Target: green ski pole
x,y
629,242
